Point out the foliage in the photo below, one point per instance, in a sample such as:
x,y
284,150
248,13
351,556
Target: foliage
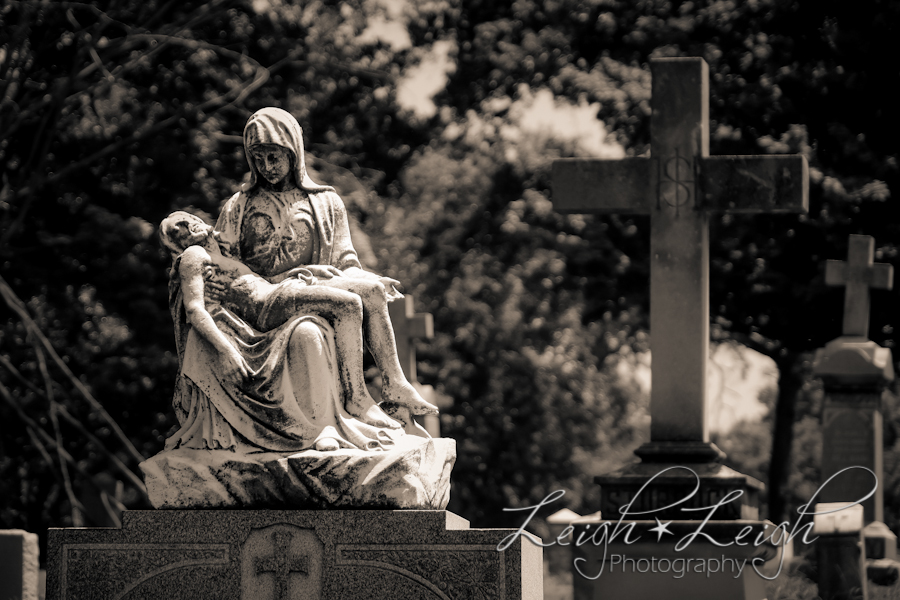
x,y
114,114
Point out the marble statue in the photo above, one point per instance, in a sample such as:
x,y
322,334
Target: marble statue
x,y
271,309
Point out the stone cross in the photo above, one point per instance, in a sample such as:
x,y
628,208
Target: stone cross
x,y
855,372
679,185
858,273
282,565
408,327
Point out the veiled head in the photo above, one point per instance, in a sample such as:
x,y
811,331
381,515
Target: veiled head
x,y
271,127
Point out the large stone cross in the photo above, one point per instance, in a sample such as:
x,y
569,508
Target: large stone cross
x,y
858,273
679,185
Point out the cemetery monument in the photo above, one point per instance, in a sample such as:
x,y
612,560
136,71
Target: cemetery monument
x,y
679,185
856,372
271,310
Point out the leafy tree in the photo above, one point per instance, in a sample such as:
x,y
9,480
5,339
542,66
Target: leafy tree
x,y
113,114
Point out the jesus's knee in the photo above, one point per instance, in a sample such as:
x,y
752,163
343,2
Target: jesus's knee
x,y
347,305
373,294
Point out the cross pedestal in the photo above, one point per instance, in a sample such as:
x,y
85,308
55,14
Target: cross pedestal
x,y
679,186
856,372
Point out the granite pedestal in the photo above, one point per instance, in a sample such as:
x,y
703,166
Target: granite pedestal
x,y
289,555
18,565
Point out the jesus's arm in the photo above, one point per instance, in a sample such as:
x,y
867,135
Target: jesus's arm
x,y
193,263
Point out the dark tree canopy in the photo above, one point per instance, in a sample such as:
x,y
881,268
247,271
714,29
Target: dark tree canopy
x,y
114,114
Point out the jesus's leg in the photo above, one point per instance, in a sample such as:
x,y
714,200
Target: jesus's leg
x,y
380,339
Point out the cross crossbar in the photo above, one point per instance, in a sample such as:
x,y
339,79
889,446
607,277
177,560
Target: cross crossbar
x,y
722,184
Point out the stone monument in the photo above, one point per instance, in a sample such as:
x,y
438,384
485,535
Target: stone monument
x,y
855,372
19,565
271,310
679,185
840,552
410,326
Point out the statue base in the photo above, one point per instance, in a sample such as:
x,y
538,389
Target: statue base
x,y
414,475
288,555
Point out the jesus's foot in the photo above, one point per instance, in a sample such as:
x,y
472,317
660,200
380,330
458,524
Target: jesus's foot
x,y
327,445
371,414
406,395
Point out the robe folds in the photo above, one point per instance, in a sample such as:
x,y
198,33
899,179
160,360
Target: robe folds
x,y
294,395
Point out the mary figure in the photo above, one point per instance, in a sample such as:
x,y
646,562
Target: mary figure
x,y
260,440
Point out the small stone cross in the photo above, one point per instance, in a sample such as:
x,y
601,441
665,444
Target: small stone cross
x,y
678,186
858,273
281,564
409,326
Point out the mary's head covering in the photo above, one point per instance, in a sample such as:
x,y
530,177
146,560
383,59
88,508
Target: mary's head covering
x,y
275,126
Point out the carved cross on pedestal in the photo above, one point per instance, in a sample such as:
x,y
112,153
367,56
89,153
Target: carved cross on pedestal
x,y
858,274
281,564
678,186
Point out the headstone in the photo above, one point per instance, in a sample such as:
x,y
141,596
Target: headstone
x,y
19,565
856,372
559,555
410,326
276,425
289,555
679,185
840,553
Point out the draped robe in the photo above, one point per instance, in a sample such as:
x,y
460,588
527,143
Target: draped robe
x,y
294,396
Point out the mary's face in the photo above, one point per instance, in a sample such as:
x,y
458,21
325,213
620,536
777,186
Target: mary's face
x,y
272,162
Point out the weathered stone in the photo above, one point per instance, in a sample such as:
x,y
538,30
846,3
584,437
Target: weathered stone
x,y
855,372
881,542
675,489
275,555
19,565
883,571
858,274
272,311
559,554
851,361
852,451
414,475
408,327
678,186
840,551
